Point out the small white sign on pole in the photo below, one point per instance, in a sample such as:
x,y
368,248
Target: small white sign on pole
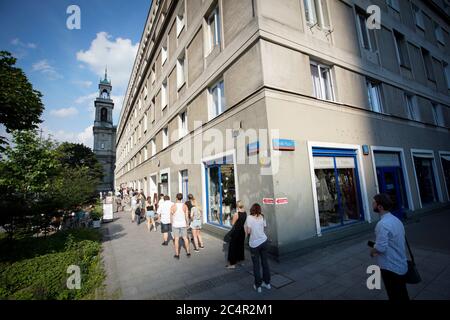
x,y
108,214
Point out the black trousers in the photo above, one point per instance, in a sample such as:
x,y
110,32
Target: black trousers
x,y
395,285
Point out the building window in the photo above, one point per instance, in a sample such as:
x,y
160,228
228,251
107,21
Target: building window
x,y
412,107
402,49
428,61
164,95
103,146
145,91
363,31
213,30
153,147
153,74
316,12
439,34
217,99
140,104
182,125
423,165
165,133
394,4
322,82
337,185
181,71
164,53
447,74
103,115
180,19
220,191
374,93
135,112
445,161
145,154
418,17
184,181
390,180
145,122
438,115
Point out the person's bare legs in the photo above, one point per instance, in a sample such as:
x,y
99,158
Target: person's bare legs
x,y
186,242
165,236
195,236
148,223
177,248
200,240
154,224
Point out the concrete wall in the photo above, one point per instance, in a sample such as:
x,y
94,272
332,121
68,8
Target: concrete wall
x,y
236,15
284,16
195,57
290,65
357,96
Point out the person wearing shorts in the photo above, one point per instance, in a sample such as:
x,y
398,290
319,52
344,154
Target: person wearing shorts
x,y
150,217
165,218
179,219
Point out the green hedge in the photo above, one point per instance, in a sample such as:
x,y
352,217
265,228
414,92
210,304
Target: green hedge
x,y
37,268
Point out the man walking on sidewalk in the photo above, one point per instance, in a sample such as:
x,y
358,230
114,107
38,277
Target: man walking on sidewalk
x,y
389,249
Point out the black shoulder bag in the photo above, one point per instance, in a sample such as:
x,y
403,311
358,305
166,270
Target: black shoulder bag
x,y
412,276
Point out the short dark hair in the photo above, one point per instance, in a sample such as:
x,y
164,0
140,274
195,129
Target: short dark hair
x,y
166,198
179,196
255,210
382,199
190,196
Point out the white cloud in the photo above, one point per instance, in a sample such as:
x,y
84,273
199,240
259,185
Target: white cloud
x,y
85,137
17,42
117,54
87,98
64,112
83,84
45,68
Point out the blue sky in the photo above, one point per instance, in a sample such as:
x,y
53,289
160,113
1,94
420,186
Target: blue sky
x,y
66,65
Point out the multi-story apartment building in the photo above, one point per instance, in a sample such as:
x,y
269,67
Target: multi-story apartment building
x,y
351,109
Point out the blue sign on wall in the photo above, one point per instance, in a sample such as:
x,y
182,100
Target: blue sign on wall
x,y
283,144
253,148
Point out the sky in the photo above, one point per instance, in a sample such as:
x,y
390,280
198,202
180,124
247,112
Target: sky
x,y
66,65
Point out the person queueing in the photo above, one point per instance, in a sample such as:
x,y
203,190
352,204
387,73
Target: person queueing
x,y
165,218
196,224
150,213
254,226
236,247
133,206
179,219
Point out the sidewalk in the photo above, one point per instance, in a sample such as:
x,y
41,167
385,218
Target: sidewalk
x,y
139,267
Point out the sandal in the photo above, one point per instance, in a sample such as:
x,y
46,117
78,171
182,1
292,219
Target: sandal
x,y
188,254
177,257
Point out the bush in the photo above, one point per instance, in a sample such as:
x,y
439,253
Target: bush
x,y
44,275
97,212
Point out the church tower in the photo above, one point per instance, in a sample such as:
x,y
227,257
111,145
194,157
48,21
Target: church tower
x,y
105,134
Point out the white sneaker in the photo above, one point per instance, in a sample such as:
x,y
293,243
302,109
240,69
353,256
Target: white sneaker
x,y
266,285
257,289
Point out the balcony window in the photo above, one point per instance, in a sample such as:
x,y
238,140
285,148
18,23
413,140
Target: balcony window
x,y
322,83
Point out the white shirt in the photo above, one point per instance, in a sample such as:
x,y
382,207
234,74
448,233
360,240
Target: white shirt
x,y
257,235
134,202
179,217
160,202
390,242
164,209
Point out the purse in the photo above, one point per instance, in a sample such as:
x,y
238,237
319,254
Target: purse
x,y
229,235
412,276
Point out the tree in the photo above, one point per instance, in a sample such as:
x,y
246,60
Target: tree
x,y
76,155
27,173
20,104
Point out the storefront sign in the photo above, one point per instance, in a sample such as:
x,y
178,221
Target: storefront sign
x,y
253,148
283,145
268,201
281,201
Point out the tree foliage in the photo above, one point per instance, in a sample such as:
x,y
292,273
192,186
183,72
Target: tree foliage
x,y
38,180
20,105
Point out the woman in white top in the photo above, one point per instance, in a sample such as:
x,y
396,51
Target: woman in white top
x,y
254,226
179,220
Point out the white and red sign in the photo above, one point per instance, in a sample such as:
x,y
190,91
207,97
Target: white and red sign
x,y
281,201
268,201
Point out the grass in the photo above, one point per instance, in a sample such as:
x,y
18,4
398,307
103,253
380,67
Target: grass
x,y
36,268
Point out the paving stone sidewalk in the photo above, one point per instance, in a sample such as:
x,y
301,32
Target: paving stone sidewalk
x,y
139,267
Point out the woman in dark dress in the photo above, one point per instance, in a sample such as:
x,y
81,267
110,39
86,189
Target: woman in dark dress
x,y
236,247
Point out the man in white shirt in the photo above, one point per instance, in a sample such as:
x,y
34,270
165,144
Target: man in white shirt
x,y
164,211
389,249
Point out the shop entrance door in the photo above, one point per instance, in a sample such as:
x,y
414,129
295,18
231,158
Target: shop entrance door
x,y
389,182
